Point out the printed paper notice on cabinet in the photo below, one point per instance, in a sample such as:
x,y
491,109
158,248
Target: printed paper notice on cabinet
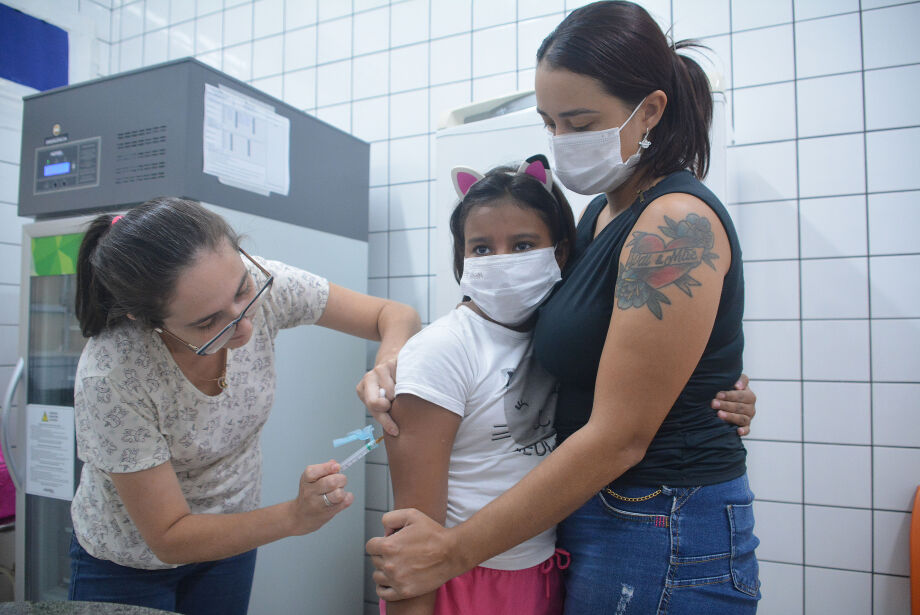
x,y
246,144
50,451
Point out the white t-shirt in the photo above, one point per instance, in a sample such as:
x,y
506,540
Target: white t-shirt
x,y
485,373
135,410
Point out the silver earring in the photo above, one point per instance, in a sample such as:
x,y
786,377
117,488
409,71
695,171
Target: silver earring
x,y
644,143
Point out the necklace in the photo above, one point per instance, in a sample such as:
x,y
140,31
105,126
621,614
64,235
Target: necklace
x,y
190,374
222,379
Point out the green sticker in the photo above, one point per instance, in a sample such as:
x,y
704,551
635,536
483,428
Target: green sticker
x,y
55,254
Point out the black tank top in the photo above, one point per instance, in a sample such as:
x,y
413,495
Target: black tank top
x,y
693,446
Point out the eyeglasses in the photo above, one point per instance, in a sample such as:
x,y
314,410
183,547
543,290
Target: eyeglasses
x,y
226,334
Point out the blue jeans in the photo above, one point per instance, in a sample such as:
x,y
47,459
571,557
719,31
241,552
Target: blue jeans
x,y
209,588
684,551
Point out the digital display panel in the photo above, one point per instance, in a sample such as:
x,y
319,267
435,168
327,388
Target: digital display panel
x,y
58,168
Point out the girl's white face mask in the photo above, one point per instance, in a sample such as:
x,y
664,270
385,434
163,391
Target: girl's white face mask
x,y
591,162
510,287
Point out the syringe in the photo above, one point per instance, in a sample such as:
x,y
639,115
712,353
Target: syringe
x,y
359,454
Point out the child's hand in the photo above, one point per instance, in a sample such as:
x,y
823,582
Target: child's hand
x,y
737,407
377,390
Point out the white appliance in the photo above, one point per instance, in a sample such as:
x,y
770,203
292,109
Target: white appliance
x,y
505,130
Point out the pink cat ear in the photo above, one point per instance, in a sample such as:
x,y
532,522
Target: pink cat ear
x,y
463,179
537,166
536,169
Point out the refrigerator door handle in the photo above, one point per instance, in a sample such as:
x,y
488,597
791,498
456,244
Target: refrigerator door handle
x,y
7,411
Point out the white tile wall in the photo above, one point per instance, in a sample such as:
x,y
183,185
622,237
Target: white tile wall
x,y
890,594
834,226
835,350
893,295
771,289
830,166
837,422
747,14
450,17
764,113
891,531
372,32
784,420
889,37
775,470
838,538
837,412
889,93
895,477
835,288
838,475
700,18
809,9
297,13
891,162
894,349
782,588
765,172
767,230
752,66
490,13
817,117
773,349
894,413
892,218
780,528
826,46
837,591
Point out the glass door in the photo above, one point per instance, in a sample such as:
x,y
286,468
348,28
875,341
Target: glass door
x,y
54,346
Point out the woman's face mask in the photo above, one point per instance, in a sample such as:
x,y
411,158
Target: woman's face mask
x,y
591,162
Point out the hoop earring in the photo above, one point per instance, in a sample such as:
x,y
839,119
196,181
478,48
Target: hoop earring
x,y
644,143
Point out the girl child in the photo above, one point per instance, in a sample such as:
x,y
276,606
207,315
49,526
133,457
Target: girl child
x,y
475,412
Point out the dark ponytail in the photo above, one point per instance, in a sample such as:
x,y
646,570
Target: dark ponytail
x,y
93,300
620,45
131,266
694,113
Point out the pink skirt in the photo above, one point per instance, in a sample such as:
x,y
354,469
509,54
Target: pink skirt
x,y
537,590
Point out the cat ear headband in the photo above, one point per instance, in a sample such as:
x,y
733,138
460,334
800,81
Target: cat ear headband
x,y
537,166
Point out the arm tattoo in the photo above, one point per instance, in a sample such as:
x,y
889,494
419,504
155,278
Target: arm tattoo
x,y
655,263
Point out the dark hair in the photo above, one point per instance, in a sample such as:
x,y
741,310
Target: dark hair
x,y
527,192
131,266
620,45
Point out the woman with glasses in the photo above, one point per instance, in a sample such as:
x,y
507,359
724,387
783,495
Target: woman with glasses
x,y
172,390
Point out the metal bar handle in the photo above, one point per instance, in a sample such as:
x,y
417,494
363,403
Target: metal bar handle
x,y
7,411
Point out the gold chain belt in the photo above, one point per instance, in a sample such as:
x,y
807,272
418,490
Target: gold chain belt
x,y
626,499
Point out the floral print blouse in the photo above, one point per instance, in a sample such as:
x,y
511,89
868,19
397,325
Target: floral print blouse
x,y
135,410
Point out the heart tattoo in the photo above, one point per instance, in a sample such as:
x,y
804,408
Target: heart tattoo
x,y
655,263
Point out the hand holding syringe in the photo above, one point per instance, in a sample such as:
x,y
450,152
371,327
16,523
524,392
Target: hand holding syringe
x,y
366,433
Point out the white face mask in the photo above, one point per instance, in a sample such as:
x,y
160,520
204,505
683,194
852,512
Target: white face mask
x,y
510,287
591,162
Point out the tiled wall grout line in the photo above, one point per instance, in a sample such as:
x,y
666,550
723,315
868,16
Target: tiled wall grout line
x,y
802,427
862,65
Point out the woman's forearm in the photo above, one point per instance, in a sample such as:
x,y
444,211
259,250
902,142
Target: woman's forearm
x,y
209,537
549,493
156,504
396,324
